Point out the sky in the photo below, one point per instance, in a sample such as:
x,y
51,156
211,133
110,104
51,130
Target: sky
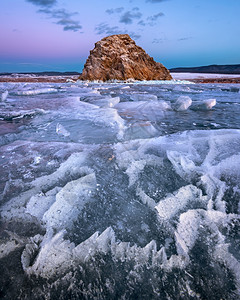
x,y
57,35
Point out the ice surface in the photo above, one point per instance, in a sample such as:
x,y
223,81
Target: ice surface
x,y
123,191
15,208
143,110
57,255
143,97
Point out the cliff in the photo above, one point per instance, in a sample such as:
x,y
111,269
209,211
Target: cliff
x,y
118,57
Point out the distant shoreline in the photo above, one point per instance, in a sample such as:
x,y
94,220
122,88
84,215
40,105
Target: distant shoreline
x,y
57,77
210,69
54,79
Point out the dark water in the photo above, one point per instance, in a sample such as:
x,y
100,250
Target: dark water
x,y
119,191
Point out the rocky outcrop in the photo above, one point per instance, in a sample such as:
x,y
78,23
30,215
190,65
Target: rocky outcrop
x,y
118,57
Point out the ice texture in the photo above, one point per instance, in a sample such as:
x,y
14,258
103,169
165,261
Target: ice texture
x,y
106,184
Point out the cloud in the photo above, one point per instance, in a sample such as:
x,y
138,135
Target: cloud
x,y
43,3
155,1
159,41
155,17
58,13
185,38
129,16
106,29
151,20
114,10
142,23
63,18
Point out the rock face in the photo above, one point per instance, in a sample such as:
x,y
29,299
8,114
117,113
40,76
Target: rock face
x,y
118,57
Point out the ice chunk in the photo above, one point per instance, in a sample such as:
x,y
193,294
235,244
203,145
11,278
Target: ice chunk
x,y
204,105
215,189
13,115
14,242
134,169
60,130
40,203
145,198
37,92
194,223
183,165
182,103
187,231
171,205
69,80
4,96
209,103
54,257
69,202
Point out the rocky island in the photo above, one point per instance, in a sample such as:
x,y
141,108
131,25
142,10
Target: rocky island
x,y
117,57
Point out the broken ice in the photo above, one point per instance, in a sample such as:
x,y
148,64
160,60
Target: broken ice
x,y
106,184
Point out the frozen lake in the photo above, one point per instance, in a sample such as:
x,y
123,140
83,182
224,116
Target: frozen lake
x,y
120,191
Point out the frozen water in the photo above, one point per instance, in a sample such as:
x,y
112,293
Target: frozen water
x,y
120,191
182,103
36,92
4,96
